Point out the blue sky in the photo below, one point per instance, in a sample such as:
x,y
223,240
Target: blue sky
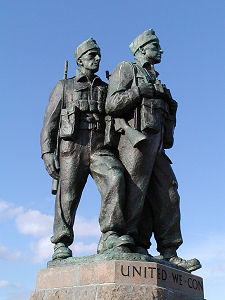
x,y
36,38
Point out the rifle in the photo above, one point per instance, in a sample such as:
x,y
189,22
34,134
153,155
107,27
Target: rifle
x,y
55,182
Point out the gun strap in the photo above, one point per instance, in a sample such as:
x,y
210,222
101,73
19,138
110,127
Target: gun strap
x,y
60,120
137,111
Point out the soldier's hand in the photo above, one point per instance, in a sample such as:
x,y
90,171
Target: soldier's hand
x,y
146,90
51,165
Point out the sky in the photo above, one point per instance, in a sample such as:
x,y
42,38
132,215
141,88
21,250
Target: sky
x,y
36,38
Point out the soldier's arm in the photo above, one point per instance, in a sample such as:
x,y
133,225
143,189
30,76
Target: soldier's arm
x,y
122,95
51,120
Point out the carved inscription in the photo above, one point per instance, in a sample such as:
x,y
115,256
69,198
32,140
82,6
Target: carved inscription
x,y
177,279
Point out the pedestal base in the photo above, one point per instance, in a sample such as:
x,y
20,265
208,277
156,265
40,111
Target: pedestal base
x,y
117,280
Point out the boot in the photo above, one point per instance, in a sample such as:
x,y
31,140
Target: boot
x,y
110,240
171,256
190,264
61,251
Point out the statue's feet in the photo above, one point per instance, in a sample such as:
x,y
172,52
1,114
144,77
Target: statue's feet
x,y
141,250
110,241
190,264
61,251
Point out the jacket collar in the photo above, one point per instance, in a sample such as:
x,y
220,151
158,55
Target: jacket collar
x,y
81,77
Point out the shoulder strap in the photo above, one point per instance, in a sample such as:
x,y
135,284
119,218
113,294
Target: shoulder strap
x,y
137,110
134,68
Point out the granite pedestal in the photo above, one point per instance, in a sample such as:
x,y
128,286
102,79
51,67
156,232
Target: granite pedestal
x,y
117,280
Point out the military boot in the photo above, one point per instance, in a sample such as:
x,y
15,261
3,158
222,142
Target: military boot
x,y
171,256
112,241
190,264
61,251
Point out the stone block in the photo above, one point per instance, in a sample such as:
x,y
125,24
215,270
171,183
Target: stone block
x,y
117,280
131,292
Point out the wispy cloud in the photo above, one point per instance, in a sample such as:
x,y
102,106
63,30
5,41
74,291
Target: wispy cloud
x,y
39,226
84,227
7,254
210,251
42,250
80,248
9,210
6,283
33,222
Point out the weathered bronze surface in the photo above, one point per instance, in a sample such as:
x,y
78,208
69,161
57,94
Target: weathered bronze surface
x,y
120,139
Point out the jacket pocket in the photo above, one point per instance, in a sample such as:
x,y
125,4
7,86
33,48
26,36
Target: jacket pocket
x,y
68,122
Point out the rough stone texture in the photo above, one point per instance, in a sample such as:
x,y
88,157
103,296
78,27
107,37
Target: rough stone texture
x,y
52,278
75,293
131,292
111,292
117,280
97,273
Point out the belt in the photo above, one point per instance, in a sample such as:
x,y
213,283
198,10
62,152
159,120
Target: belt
x,y
96,126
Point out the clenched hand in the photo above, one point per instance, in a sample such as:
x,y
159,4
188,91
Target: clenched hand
x,y
51,165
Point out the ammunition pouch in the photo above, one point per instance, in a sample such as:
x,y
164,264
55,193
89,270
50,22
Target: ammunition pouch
x,y
151,115
68,122
111,135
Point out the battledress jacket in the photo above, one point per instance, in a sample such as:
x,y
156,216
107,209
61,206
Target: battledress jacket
x,y
124,97
80,98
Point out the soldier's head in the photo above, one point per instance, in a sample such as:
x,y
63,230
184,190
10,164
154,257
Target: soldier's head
x,y
88,55
146,46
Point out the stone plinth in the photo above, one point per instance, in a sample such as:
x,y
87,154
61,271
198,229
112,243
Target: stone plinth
x,y
117,280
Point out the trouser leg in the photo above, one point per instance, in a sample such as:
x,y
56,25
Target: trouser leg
x,y
74,169
108,174
163,204
138,163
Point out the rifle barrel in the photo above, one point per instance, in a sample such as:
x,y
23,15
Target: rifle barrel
x,y
65,69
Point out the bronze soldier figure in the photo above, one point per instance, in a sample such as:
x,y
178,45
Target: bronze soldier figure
x,y
76,110
137,100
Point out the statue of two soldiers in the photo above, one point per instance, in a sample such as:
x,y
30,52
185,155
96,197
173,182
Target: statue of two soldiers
x,y
118,135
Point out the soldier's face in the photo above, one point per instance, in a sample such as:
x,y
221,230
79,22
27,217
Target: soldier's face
x,y
91,60
153,52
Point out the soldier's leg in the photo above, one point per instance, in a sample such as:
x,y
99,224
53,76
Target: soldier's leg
x,y
108,174
74,169
165,204
138,163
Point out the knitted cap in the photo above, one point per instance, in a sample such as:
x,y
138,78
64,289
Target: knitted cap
x,y
142,39
84,47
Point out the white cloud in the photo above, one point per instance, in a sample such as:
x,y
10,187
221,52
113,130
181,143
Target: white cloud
x,y
7,254
42,249
33,222
6,283
84,227
9,210
3,205
80,248
210,251
39,226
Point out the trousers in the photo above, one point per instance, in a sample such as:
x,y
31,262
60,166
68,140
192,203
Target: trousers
x,y
80,157
152,204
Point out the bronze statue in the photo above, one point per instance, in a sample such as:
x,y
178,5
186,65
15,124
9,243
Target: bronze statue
x,y
143,117
75,117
